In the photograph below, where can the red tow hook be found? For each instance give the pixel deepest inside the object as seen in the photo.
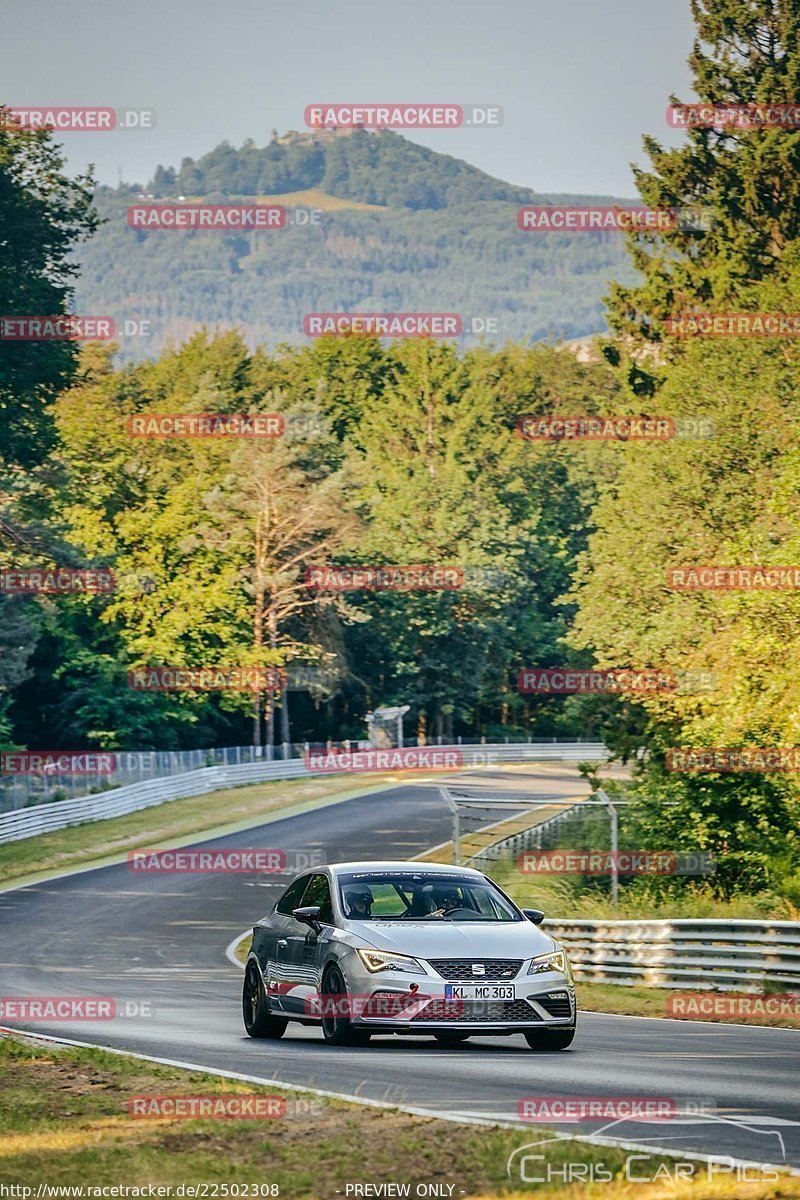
(413, 988)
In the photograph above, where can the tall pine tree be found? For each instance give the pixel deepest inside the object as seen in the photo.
(746, 180)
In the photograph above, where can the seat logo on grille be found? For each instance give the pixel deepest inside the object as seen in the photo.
(478, 969)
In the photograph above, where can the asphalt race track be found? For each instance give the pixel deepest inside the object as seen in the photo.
(159, 940)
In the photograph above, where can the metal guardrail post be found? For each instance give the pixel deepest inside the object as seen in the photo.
(451, 804)
(612, 812)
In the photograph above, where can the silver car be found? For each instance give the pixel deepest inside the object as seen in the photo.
(406, 947)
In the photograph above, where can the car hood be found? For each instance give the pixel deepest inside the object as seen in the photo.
(455, 939)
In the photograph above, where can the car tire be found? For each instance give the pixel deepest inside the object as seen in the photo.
(258, 1020)
(550, 1039)
(451, 1038)
(339, 1030)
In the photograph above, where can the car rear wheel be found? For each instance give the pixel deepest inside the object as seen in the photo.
(451, 1038)
(337, 1028)
(258, 1020)
(550, 1039)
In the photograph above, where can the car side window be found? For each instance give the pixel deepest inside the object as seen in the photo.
(291, 897)
(319, 892)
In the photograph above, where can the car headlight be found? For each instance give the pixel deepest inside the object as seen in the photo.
(557, 961)
(384, 960)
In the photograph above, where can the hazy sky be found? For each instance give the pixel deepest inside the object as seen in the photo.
(578, 80)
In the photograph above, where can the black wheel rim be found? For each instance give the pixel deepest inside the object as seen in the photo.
(251, 997)
(333, 988)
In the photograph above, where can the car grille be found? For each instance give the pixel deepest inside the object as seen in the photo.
(555, 1003)
(461, 968)
(476, 1011)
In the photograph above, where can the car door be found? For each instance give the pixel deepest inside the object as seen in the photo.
(272, 946)
(301, 961)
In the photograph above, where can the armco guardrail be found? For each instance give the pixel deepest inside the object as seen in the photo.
(103, 770)
(45, 818)
(22, 789)
(702, 954)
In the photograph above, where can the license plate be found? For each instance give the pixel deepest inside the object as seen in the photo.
(480, 991)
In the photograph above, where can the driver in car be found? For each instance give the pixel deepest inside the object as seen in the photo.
(445, 899)
(359, 900)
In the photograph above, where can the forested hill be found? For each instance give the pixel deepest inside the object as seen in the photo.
(400, 227)
(372, 168)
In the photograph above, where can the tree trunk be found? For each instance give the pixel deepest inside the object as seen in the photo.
(273, 641)
(286, 733)
(257, 720)
(270, 729)
(258, 632)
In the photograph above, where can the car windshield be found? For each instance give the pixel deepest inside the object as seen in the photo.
(421, 896)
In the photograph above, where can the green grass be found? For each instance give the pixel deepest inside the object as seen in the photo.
(562, 897)
(65, 1117)
(637, 1001)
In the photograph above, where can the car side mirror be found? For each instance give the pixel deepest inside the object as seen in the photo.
(534, 914)
(308, 916)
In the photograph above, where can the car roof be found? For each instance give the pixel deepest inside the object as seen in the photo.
(421, 868)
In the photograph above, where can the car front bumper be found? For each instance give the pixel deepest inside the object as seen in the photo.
(394, 1001)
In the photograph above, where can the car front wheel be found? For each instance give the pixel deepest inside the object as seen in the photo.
(337, 1028)
(258, 1020)
(550, 1039)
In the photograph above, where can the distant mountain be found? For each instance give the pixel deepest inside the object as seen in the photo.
(400, 228)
